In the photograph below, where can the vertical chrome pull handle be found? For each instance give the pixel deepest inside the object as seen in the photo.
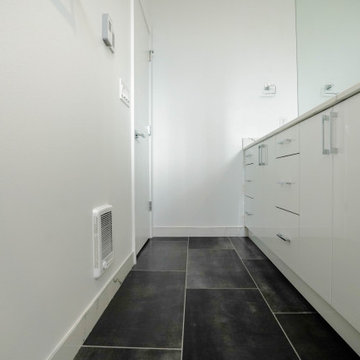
(333, 117)
(260, 154)
(325, 150)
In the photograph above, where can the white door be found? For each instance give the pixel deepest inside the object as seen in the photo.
(142, 149)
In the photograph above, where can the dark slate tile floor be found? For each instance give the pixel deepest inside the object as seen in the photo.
(213, 299)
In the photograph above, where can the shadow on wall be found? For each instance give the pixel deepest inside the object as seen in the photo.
(216, 199)
(66, 9)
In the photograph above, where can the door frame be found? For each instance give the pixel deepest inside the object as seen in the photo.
(132, 126)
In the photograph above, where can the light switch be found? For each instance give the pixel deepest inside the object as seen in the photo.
(124, 93)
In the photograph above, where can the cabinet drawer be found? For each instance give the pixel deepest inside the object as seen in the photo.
(250, 180)
(287, 183)
(286, 237)
(251, 156)
(287, 142)
(249, 213)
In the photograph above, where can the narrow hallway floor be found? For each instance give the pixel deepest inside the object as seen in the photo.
(209, 299)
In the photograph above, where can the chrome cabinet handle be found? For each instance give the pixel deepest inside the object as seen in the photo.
(260, 154)
(262, 162)
(286, 183)
(285, 141)
(325, 151)
(139, 134)
(333, 117)
(248, 181)
(248, 214)
(283, 238)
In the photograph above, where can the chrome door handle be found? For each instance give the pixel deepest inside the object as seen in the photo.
(248, 214)
(139, 134)
(325, 151)
(283, 238)
(285, 142)
(248, 181)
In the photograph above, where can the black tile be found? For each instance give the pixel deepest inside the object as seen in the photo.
(247, 249)
(232, 325)
(147, 311)
(216, 269)
(314, 339)
(87, 353)
(214, 243)
(163, 255)
(278, 291)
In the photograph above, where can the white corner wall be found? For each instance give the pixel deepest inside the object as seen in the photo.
(211, 61)
(64, 149)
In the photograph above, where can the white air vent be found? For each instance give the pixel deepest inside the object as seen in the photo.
(102, 237)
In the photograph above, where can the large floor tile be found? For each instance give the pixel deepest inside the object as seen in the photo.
(314, 339)
(87, 353)
(161, 254)
(232, 325)
(216, 269)
(147, 311)
(247, 249)
(214, 243)
(279, 293)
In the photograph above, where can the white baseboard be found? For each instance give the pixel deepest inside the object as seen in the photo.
(336, 321)
(199, 231)
(75, 337)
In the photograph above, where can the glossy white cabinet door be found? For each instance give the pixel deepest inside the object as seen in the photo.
(315, 242)
(346, 234)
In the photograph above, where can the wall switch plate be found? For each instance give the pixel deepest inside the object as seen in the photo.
(269, 89)
(124, 93)
(108, 34)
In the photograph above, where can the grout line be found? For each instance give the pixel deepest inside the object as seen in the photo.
(253, 288)
(295, 312)
(129, 347)
(184, 309)
(143, 270)
(276, 319)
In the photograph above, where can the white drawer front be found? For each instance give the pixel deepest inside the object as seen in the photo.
(250, 180)
(287, 183)
(250, 213)
(287, 142)
(286, 237)
(251, 156)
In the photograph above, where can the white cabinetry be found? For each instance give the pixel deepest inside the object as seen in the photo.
(346, 212)
(259, 217)
(316, 204)
(305, 193)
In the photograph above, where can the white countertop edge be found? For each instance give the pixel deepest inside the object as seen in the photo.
(354, 90)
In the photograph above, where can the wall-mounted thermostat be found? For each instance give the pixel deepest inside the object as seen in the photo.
(108, 32)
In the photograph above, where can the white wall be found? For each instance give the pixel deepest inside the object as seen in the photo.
(64, 149)
(212, 59)
(328, 48)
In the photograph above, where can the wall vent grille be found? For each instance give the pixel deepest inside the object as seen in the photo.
(102, 238)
